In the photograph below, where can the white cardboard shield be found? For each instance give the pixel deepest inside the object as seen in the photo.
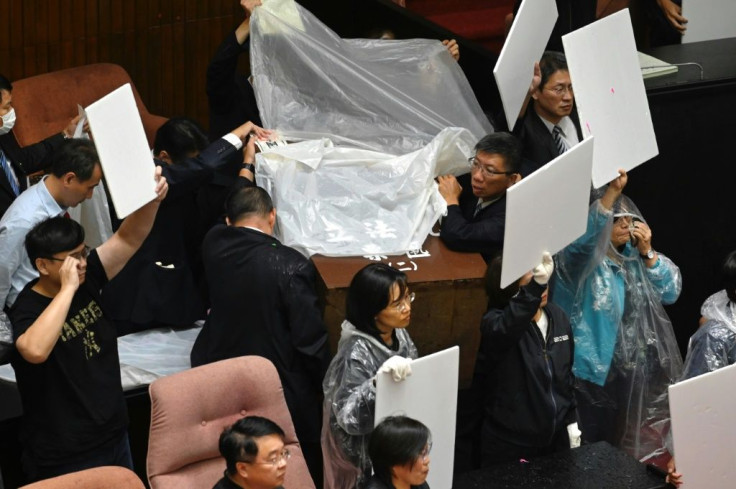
(709, 19)
(547, 210)
(524, 45)
(610, 96)
(703, 411)
(123, 149)
(429, 395)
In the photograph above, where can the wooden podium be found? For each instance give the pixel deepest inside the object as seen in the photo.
(450, 298)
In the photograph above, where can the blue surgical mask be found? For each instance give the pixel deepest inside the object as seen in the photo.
(8, 122)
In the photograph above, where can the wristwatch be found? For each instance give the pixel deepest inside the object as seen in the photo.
(648, 255)
(250, 167)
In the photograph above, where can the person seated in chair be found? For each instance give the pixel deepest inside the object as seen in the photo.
(255, 455)
(476, 201)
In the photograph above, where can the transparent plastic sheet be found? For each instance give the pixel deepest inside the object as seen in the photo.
(347, 201)
(713, 345)
(625, 347)
(146, 356)
(350, 398)
(385, 95)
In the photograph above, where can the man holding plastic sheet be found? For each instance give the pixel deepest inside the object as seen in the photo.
(67, 366)
(264, 302)
(476, 202)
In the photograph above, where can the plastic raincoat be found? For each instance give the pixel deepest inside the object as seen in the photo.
(350, 398)
(713, 345)
(624, 340)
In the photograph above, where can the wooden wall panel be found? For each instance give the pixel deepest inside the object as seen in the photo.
(165, 45)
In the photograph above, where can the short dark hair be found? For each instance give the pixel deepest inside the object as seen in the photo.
(5, 84)
(238, 442)
(78, 156)
(504, 144)
(51, 236)
(247, 200)
(179, 137)
(397, 440)
(728, 275)
(370, 293)
(498, 298)
(551, 63)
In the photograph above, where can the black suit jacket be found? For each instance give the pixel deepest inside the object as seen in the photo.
(538, 145)
(146, 295)
(264, 303)
(24, 161)
(483, 233)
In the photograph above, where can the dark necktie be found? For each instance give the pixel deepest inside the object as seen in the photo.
(559, 143)
(9, 174)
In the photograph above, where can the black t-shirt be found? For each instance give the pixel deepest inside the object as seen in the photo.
(73, 402)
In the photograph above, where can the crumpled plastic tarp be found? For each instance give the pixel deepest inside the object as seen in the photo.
(350, 401)
(146, 356)
(347, 201)
(713, 345)
(625, 347)
(385, 95)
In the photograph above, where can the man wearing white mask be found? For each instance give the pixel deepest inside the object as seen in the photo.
(15, 162)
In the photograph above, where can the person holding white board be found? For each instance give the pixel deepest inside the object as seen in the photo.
(524, 370)
(373, 340)
(613, 285)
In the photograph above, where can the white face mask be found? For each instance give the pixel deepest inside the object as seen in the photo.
(8, 122)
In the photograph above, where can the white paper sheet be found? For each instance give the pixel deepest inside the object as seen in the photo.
(547, 210)
(524, 45)
(430, 396)
(123, 149)
(703, 411)
(610, 96)
(709, 19)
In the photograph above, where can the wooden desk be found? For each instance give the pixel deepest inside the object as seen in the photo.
(446, 312)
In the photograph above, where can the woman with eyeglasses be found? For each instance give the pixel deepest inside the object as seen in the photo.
(399, 450)
(374, 340)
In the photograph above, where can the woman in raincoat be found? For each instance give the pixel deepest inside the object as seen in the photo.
(613, 285)
(373, 340)
(713, 345)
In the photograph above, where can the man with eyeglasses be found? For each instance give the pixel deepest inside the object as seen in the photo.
(75, 172)
(476, 202)
(548, 126)
(67, 367)
(264, 302)
(255, 456)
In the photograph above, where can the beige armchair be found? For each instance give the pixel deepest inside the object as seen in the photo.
(190, 409)
(97, 478)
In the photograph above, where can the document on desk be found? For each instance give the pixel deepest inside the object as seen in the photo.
(429, 395)
(547, 210)
(610, 95)
(524, 45)
(123, 149)
(703, 412)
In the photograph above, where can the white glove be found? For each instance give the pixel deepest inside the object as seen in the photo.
(574, 434)
(398, 366)
(543, 271)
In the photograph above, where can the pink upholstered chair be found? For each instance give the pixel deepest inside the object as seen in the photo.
(45, 103)
(97, 478)
(190, 409)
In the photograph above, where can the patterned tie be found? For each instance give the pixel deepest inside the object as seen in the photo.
(9, 174)
(559, 143)
(478, 208)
